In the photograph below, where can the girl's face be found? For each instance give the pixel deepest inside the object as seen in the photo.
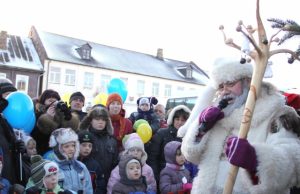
(69, 149)
(178, 122)
(98, 123)
(133, 170)
(180, 159)
(114, 108)
(85, 149)
(31, 148)
(50, 181)
(136, 152)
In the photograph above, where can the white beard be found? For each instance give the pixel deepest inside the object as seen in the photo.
(237, 103)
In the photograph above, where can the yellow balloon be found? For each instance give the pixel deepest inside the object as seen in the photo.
(66, 98)
(145, 132)
(101, 98)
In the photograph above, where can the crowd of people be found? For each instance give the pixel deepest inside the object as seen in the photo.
(190, 151)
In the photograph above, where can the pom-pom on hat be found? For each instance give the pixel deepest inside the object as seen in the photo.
(113, 97)
(48, 94)
(41, 168)
(77, 95)
(229, 70)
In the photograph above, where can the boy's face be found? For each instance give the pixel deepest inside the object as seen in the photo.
(144, 107)
(115, 108)
(31, 148)
(133, 170)
(98, 123)
(77, 104)
(69, 149)
(50, 181)
(180, 159)
(136, 152)
(85, 149)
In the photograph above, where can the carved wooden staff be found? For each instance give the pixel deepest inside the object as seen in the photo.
(260, 56)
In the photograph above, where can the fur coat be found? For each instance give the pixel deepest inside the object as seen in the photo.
(275, 141)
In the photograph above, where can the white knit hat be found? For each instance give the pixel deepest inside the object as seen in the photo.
(133, 140)
(229, 70)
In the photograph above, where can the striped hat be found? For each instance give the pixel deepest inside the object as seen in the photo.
(41, 168)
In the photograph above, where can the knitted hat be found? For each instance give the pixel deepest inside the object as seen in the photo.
(293, 100)
(6, 86)
(41, 168)
(85, 136)
(144, 101)
(113, 97)
(229, 70)
(132, 140)
(48, 94)
(77, 95)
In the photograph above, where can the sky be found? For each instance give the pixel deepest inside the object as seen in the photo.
(186, 30)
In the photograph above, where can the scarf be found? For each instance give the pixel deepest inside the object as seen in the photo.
(121, 131)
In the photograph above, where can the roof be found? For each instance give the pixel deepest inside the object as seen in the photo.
(20, 53)
(62, 48)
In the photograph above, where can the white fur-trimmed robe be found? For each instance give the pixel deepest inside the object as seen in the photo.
(278, 154)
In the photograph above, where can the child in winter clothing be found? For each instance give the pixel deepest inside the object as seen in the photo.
(145, 111)
(86, 140)
(131, 180)
(121, 125)
(105, 150)
(73, 174)
(134, 146)
(174, 178)
(4, 183)
(44, 177)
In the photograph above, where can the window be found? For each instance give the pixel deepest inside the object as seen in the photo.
(2, 75)
(86, 53)
(140, 87)
(168, 89)
(125, 80)
(88, 80)
(22, 83)
(104, 80)
(155, 89)
(54, 75)
(70, 77)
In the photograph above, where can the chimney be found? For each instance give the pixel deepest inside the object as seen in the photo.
(3, 40)
(159, 54)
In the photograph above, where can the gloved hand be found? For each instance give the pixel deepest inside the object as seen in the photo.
(240, 153)
(33, 190)
(210, 116)
(3, 104)
(20, 146)
(65, 192)
(187, 186)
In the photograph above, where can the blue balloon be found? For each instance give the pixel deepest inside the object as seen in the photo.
(19, 110)
(29, 125)
(116, 85)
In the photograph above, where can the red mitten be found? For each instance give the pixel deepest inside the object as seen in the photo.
(187, 186)
(210, 116)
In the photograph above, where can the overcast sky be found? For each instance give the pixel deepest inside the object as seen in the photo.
(186, 30)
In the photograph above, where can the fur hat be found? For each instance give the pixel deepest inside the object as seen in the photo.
(77, 95)
(62, 136)
(229, 70)
(114, 97)
(6, 86)
(41, 168)
(173, 112)
(85, 136)
(133, 140)
(48, 94)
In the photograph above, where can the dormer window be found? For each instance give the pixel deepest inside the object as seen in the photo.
(85, 51)
(186, 71)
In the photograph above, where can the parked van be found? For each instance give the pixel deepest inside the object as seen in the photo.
(187, 101)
